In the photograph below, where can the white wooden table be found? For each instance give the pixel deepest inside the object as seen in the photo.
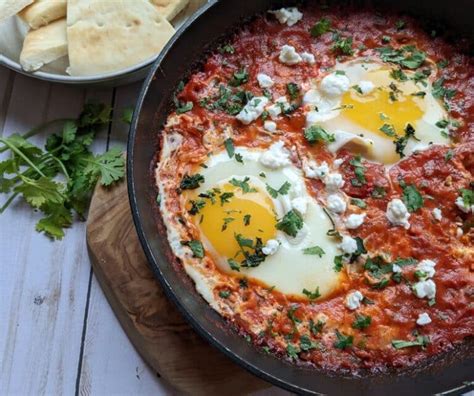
(58, 334)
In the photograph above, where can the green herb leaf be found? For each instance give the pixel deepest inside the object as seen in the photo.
(191, 182)
(306, 344)
(315, 250)
(412, 198)
(229, 146)
(292, 351)
(316, 328)
(247, 219)
(196, 247)
(343, 46)
(283, 190)
(467, 197)
(320, 27)
(361, 322)
(224, 293)
(184, 107)
(343, 341)
(239, 77)
(389, 130)
(422, 341)
(338, 263)
(293, 90)
(359, 171)
(312, 295)
(316, 133)
(358, 202)
(291, 223)
(243, 185)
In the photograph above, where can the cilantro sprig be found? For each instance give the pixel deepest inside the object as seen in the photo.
(59, 179)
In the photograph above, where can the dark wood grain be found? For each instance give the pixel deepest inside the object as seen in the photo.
(152, 323)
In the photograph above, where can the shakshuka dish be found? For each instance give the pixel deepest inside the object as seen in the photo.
(315, 181)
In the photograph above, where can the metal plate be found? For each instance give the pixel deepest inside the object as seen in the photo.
(177, 60)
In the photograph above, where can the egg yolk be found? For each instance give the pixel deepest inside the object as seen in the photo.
(391, 102)
(250, 214)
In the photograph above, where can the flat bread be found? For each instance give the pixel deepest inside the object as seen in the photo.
(42, 12)
(44, 45)
(9, 8)
(107, 36)
(169, 8)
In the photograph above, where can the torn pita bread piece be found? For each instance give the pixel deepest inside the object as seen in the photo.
(42, 12)
(9, 8)
(107, 36)
(44, 45)
(170, 8)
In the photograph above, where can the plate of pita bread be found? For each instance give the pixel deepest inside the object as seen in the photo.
(88, 41)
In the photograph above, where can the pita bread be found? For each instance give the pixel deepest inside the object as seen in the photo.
(9, 8)
(106, 36)
(169, 8)
(42, 12)
(44, 45)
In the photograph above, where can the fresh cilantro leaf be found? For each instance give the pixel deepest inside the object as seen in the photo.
(196, 206)
(292, 351)
(291, 223)
(441, 92)
(196, 248)
(316, 328)
(283, 190)
(343, 46)
(227, 220)
(378, 192)
(110, 166)
(422, 341)
(41, 191)
(442, 123)
(467, 197)
(234, 265)
(402, 142)
(229, 146)
(127, 115)
(359, 171)
(408, 56)
(412, 198)
(224, 293)
(314, 250)
(247, 219)
(239, 158)
(338, 263)
(343, 341)
(312, 295)
(226, 49)
(293, 90)
(399, 75)
(361, 322)
(184, 107)
(316, 133)
(320, 27)
(306, 344)
(243, 185)
(225, 197)
(191, 182)
(239, 77)
(358, 202)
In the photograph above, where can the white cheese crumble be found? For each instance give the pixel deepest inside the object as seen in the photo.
(289, 56)
(270, 126)
(314, 171)
(338, 162)
(300, 204)
(353, 300)
(333, 182)
(427, 268)
(459, 232)
(308, 58)
(336, 203)
(348, 245)
(423, 319)
(288, 16)
(366, 87)
(252, 110)
(311, 97)
(281, 104)
(396, 269)
(354, 221)
(462, 205)
(426, 288)
(335, 84)
(397, 213)
(437, 214)
(271, 247)
(276, 156)
(264, 80)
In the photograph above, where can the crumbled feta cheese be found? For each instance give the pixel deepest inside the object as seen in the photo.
(366, 87)
(348, 245)
(314, 171)
(338, 162)
(425, 288)
(290, 15)
(437, 214)
(423, 319)
(308, 58)
(270, 126)
(354, 221)
(311, 97)
(276, 156)
(271, 247)
(281, 104)
(353, 300)
(397, 213)
(336, 203)
(396, 269)
(333, 181)
(252, 110)
(462, 206)
(426, 267)
(335, 84)
(264, 81)
(289, 56)
(459, 232)
(300, 205)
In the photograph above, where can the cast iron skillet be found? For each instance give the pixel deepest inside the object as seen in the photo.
(176, 61)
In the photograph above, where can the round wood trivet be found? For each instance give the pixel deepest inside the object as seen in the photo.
(153, 324)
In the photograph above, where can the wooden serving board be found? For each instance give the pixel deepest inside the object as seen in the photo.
(153, 324)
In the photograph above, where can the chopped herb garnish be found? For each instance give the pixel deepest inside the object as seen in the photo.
(184, 107)
(225, 197)
(400, 24)
(283, 190)
(316, 133)
(357, 89)
(382, 284)
(442, 64)
(229, 146)
(343, 341)
(442, 124)
(402, 142)
(247, 219)
(226, 49)
(420, 94)
(361, 322)
(314, 250)
(358, 202)
(467, 197)
(338, 263)
(412, 198)
(440, 92)
(422, 341)
(196, 206)
(239, 158)
(291, 314)
(408, 56)
(320, 27)
(312, 295)
(399, 75)
(359, 171)
(234, 265)
(253, 259)
(306, 344)
(389, 130)
(449, 155)
(191, 182)
(378, 192)
(227, 220)
(291, 223)
(293, 90)
(239, 77)
(343, 46)
(316, 328)
(292, 351)
(196, 247)
(243, 185)
(224, 293)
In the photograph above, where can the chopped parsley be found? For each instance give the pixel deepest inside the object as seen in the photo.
(226, 49)
(224, 293)
(467, 197)
(442, 123)
(196, 247)
(251, 252)
(320, 27)
(292, 351)
(184, 107)
(227, 221)
(239, 77)
(234, 265)
(317, 327)
(314, 250)
(283, 190)
(291, 314)
(196, 206)
(359, 202)
(247, 219)
(293, 90)
(359, 171)
(191, 182)
(400, 24)
(402, 142)
(291, 223)
(338, 263)
(229, 146)
(407, 56)
(316, 133)
(399, 75)
(306, 344)
(312, 295)
(422, 341)
(412, 197)
(441, 92)
(243, 185)
(343, 45)
(449, 155)
(389, 130)
(378, 192)
(225, 197)
(343, 341)
(361, 322)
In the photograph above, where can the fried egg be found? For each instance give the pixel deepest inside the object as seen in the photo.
(240, 202)
(365, 107)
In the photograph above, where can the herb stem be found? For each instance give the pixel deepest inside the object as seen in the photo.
(23, 156)
(9, 201)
